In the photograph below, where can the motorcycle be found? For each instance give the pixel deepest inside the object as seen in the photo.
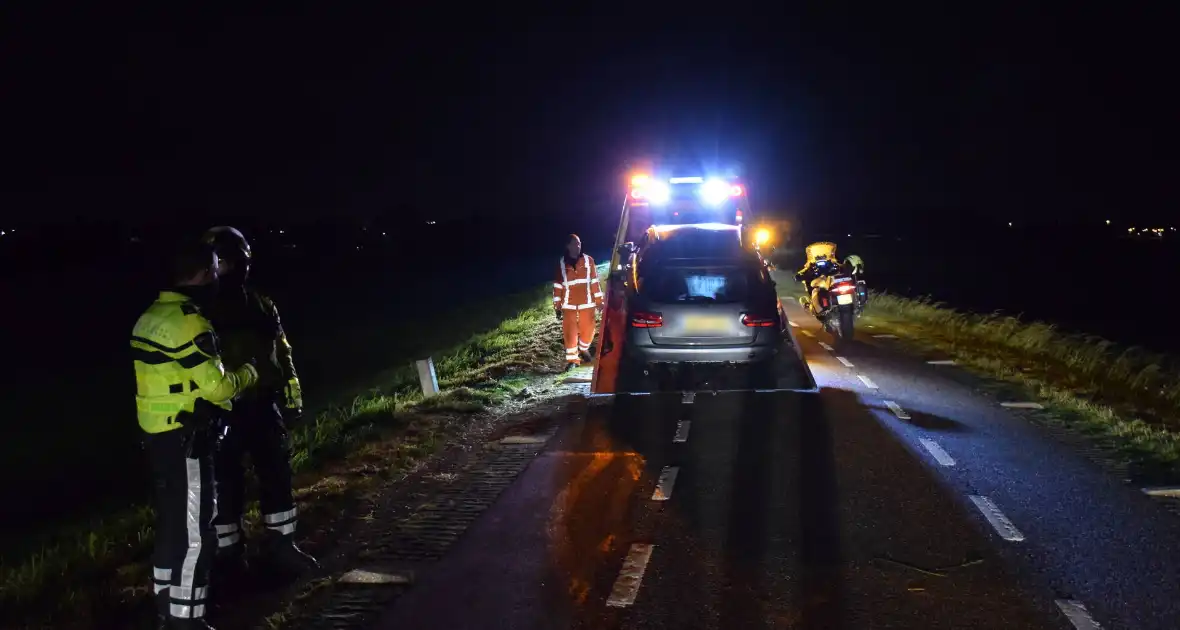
(838, 301)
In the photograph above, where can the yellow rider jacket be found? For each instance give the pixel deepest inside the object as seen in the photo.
(823, 249)
(176, 360)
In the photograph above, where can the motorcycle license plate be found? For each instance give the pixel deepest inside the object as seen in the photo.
(844, 298)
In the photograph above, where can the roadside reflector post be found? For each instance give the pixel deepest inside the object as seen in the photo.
(427, 377)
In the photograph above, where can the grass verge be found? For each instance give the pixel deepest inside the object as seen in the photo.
(1126, 394)
(78, 571)
(1126, 397)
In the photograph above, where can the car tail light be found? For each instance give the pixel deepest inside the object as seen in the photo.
(738, 218)
(641, 319)
(759, 321)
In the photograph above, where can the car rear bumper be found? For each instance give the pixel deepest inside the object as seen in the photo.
(651, 353)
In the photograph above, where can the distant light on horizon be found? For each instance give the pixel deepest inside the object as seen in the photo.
(1108, 221)
(1009, 224)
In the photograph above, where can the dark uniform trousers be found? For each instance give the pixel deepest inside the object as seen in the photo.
(255, 428)
(186, 504)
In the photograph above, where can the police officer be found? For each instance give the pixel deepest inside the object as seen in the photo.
(182, 388)
(249, 325)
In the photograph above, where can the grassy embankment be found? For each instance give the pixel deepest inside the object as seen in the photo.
(77, 572)
(1127, 397)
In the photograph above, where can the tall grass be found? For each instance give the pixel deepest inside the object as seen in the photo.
(73, 564)
(1086, 363)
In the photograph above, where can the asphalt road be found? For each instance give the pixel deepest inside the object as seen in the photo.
(892, 497)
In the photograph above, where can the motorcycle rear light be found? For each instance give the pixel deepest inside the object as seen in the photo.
(646, 320)
(759, 321)
(843, 288)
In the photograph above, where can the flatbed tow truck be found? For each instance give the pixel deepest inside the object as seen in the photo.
(649, 202)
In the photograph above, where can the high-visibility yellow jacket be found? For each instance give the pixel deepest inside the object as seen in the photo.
(575, 287)
(176, 358)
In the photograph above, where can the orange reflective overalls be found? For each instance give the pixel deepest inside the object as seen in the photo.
(576, 293)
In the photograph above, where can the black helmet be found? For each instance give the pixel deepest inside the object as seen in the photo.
(229, 243)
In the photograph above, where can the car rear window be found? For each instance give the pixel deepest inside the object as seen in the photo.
(700, 284)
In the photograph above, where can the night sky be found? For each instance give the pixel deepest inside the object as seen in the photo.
(862, 114)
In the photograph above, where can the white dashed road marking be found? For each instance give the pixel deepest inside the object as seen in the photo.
(364, 576)
(940, 455)
(942, 362)
(682, 428)
(808, 333)
(846, 362)
(897, 410)
(688, 397)
(867, 381)
(1022, 405)
(626, 586)
(524, 439)
(884, 336)
(1163, 491)
(663, 490)
(992, 513)
(825, 346)
(793, 324)
(1077, 614)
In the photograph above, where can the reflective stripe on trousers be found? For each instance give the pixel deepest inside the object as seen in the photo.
(188, 601)
(281, 522)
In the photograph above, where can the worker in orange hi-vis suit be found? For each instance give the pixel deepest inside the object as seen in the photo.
(577, 295)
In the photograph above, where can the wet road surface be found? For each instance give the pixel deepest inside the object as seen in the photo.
(892, 497)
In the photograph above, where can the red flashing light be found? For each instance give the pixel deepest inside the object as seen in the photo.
(646, 320)
(736, 191)
(758, 321)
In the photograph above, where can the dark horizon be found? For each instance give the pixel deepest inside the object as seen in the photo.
(843, 116)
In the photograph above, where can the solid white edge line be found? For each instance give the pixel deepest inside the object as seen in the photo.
(940, 455)
(682, 428)
(1077, 614)
(825, 346)
(996, 518)
(942, 362)
(688, 397)
(808, 333)
(897, 410)
(665, 484)
(1022, 405)
(793, 324)
(867, 381)
(626, 586)
(846, 362)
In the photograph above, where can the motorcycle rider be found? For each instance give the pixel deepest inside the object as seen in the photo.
(250, 329)
(822, 262)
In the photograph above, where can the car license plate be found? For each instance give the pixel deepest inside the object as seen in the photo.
(844, 298)
(703, 324)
